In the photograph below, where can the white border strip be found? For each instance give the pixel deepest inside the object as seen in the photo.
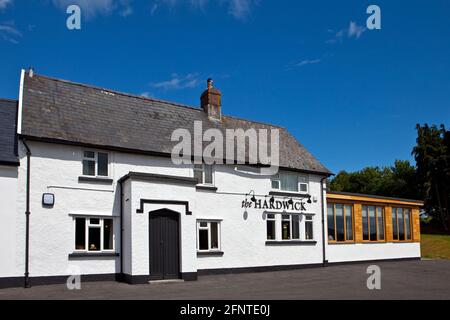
(19, 111)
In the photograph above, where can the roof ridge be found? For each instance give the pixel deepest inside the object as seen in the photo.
(8, 100)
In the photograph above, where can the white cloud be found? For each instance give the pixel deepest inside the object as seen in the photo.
(240, 9)
(177, 82)
(146, 94)
(306, 62)
(89, 8)
(4, 3)
(9, 32)
(353, 31)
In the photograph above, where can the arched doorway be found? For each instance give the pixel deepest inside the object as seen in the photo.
(164, 244)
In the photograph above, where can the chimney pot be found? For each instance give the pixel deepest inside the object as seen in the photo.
(211, 101)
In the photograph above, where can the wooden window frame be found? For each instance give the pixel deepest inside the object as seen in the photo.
(404, 224)
(344, 204)
(383, 213)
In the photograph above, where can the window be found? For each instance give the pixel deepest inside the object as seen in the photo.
(290, 227)
(290, 182)
(309, 235)
(340, 222)
(94, 234)
(95, 164)
(271, 227)
(401, 224)
(373, 226)
(203, 173)
(208, 235)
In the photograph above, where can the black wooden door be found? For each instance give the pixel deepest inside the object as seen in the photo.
(164, 245)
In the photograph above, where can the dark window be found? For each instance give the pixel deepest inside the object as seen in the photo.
(94, 239)
(80, 234)
(102, 164)
(203, 173)
(214, 235)
(373, 226)
(286, 227)
(380, 224)
(295, 227)
(340, 222)
(348, 223)
(89, 167)
(95, 163)
(330, 220)
(309, 235)
(208, 234)
(365, 218)
(108, 234)
(401, 224)
(203, 239)
(270, 227)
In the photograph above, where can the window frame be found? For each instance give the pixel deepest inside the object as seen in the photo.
(274, 220)
(309, 218)
(299, 177)
(95, 159)
(383, 214)
(344, 204)
(291, 224)
(404, 224)
(203, 171)
(101, 226)
(208, 227)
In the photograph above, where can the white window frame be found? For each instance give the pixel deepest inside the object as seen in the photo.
(95, 159)
(290, 226)
(88, 225)
(301, 180)
(274, 219)
(203, 174)
(208, 227)
(311, 217)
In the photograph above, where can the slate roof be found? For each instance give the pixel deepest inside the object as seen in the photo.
(61, 110)
(8, 129)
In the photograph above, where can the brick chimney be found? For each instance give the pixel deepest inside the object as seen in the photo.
(211, 101)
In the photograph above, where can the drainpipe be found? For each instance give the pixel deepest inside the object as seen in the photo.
(121, 231)
(27, 216)
(324, 261)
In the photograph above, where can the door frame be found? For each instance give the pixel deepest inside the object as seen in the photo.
(178, 217)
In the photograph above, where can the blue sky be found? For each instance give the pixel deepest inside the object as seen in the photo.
(351, 95)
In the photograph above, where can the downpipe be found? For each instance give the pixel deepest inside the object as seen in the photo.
(27, 217)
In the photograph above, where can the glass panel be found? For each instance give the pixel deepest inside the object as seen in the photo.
(408, 224)
(94, 221)
(401, 230)
(270, 216)
(380, 223)
(94, 239)
(204, 224)
(309, 230)
(372, 224)
(289, 182)
(295, 227)
(208, 174)
(270, 230)
(340, 222)
(394, 224)
(89, 154)
(203, 239)
(80, 234)
(303, 187)
(330, 218)
(286, 228)
(102, 164)
(349, 222)
(198, 175)
(214, 235)
(108, 234)
(365, 218)
(88, 168)
(275, 184)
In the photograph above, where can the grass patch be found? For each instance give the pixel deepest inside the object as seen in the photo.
(435, 246)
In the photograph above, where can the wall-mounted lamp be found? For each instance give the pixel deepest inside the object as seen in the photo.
(48, 199)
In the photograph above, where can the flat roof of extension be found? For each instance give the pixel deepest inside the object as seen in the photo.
(372, 198)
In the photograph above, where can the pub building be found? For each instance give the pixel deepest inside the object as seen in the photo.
(89, 187)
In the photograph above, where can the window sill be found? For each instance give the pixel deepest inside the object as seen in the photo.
(288, 194)
(291, 243)
(210, 253)
(93, 254)
(205, 187)
(105, 180)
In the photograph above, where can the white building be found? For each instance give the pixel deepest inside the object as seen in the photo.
(106, 200)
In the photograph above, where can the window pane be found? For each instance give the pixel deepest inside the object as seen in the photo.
(94, 221)
(286, 230)
(198, 175)
(203, 224)
(340, 222)
(275, 184)
(303, 187)
(372, 224)
(94, 239)
(270, 230)
(270, 216)
(108, 234)
(394, 224)
(365, 217)
(89, 154)
(80, 234)
(208, 174)
(349, 222)
(289, 182)
(102, 164)
(88, 168)
(380, 223)
(309, 230)
(203, 239)
(401, 230)
(330, 218)
(214, 235)
(295, 227)
(408, 224)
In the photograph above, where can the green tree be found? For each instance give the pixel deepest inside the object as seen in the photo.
(432, 154)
